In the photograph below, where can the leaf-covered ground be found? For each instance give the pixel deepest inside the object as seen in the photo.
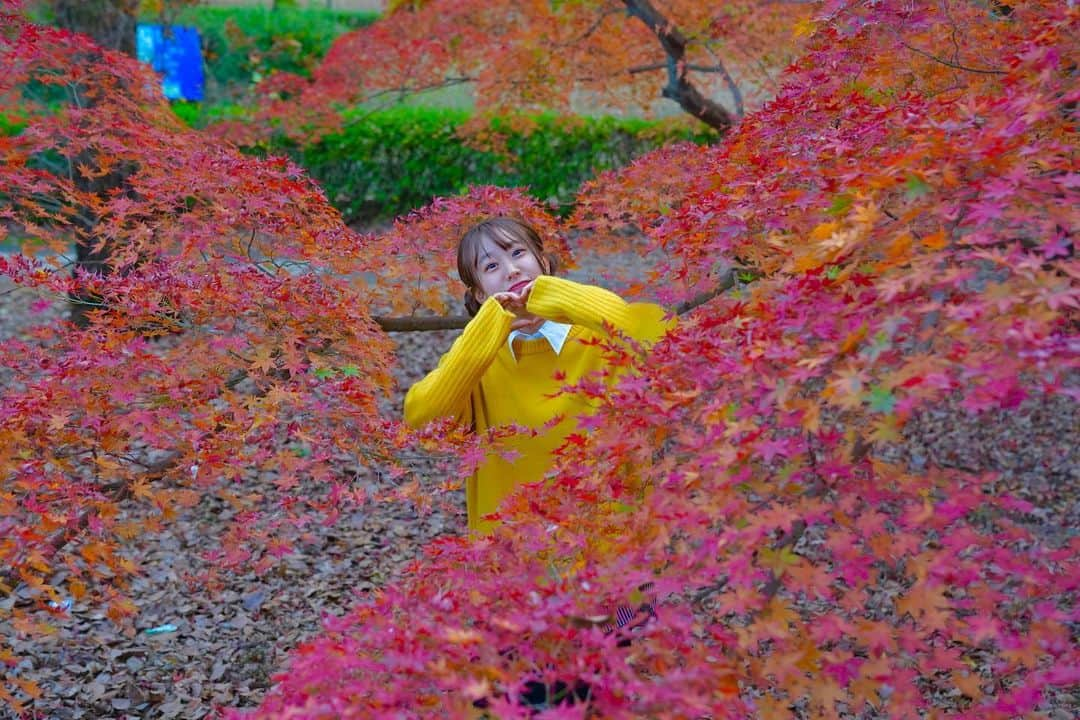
(229, 638)
(219, 645)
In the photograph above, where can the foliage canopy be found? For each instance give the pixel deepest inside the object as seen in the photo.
(518, 59)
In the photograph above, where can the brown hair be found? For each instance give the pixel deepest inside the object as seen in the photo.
(503, 231)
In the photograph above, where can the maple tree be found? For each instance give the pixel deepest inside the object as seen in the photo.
(908, 200)
(208, 354)
(713, 61)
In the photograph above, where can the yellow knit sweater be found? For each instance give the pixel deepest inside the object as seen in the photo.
(479, 383)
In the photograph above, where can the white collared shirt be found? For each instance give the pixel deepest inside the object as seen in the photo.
(555, 333)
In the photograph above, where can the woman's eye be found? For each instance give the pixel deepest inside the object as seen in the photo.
(489, 267)
(518, 251)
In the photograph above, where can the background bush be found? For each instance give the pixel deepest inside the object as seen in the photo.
(243, 44)
(11, 124)
(389, 162)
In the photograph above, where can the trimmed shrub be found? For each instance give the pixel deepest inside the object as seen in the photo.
(389, 162)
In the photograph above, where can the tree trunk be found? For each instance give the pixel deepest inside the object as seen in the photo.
(111, 23)
(679, 88)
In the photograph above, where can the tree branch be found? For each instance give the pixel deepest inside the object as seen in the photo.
(638, 69)
(412, 91)
(414, 323)
(733, 87)
(955, 63)
(679, 88)
(590, 30)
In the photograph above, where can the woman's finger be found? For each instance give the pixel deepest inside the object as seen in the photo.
(506, 299)
(522, 322)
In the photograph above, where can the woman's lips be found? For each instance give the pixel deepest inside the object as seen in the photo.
(517, 287)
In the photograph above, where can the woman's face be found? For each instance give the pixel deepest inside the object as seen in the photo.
(505, 269)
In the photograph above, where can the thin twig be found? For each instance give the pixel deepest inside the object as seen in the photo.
(590, 30)
(957, 66)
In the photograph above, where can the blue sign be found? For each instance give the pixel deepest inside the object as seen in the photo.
(176, 54)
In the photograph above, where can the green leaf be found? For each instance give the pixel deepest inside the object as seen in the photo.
(840, 204)
(324, 373)
(915, 187)
(882, 400)
(350, 370)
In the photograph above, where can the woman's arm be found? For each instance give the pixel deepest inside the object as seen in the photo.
(562, 300)
(444, 392)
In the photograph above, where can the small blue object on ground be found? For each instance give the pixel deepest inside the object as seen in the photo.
(160, 629)
(175, 52)
(254, 601)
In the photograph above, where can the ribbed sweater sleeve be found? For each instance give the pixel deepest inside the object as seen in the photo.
(445, 391)
(562, 300)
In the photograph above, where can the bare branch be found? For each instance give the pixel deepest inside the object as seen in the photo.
(637, 69)
(589, 30)
(404, 90)
(957, 66)
(732, 86)
(413, 323)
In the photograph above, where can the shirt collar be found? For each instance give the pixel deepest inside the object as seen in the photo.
(555, 333)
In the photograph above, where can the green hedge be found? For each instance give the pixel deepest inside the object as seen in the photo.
(242, 44)
(390, 162)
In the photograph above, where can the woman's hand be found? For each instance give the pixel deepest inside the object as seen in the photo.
(516, 302)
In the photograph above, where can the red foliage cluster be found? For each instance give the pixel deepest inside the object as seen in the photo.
(911, 197)
(514, 59)
(226, 337)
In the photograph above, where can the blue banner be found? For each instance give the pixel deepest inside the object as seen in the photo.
(176, 53)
